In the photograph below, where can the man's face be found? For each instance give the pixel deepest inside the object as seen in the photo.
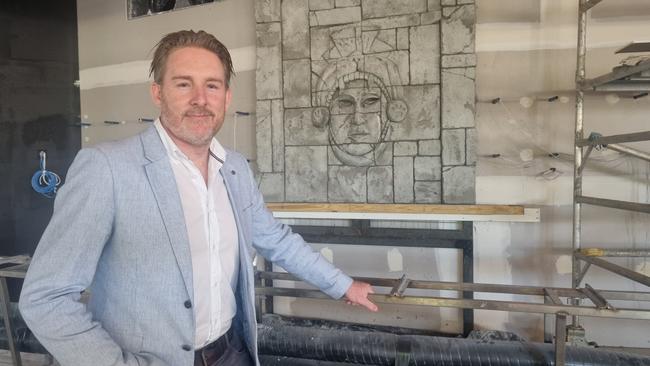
(193, 96)
(355, 115)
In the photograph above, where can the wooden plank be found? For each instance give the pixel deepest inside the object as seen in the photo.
(398, 208)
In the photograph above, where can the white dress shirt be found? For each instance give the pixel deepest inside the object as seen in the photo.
(212, 233)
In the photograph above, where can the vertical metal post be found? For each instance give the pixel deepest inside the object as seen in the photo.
(268, 300)
(579, 134)
(4, 303)
(468, 274)
(560, 338)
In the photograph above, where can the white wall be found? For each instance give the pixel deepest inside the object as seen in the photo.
(524, 54)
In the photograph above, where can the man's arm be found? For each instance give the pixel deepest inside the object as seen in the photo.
(64, 265)
(276, 242)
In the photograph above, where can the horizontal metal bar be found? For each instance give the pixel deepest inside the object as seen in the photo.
(521, 307)
(614, 139)
(17, 271)
(478, 287)
(621, 205)
(626, 253)
(622, 271)
(623, 86)
(615, 75)
(16, 259)
(629, 151)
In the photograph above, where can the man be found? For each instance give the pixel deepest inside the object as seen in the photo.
(161, 229)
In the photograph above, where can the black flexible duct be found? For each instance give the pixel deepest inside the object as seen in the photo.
(376, 348)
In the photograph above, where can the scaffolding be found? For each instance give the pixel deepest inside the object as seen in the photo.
(634, 78)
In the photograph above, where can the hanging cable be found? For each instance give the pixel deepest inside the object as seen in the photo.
(43, 181)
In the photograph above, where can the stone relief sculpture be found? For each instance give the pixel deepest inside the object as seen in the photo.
(368, 101)
(357, 99)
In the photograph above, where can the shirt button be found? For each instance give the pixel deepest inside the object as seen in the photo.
(188, 304)
(186, 347)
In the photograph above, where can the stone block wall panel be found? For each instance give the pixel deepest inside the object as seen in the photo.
(267, 11)
(295, 19)
(268, 81)
(306, 173)
(366, 100)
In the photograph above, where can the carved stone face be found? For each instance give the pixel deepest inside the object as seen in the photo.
(356, 124)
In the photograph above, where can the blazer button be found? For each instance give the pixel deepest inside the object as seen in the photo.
(186, 347)
(188, 304)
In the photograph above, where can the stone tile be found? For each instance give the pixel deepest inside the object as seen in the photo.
(263, 136)
(458, 27)
(347, 3)
(459, 184)
(268, 80)
(430, 17)
(405, 148)
(462, 2)
(391, 22)
(347, 184)
(336, 16)
(402, 38)
(427, 192)
(267, 11)
(384, 156)
(299, 129)
(458, 99)
(397, 60)
(429, 147)
(324, 48)
(378, 41)
(295, 23)
(380, 184)
(471, 146)
(385, 8)
(425, 54)
(427, 168)
(306, 173)
(460, 60)
(277, 134)
(272, 187)
(331, 157)
(448, 2)
(317, 70)
(403, 179)
(321, 4)
(297, 83)
(422, 121)
(453, 146)
(433, 5)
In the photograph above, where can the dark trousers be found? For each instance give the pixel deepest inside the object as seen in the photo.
(229, 350)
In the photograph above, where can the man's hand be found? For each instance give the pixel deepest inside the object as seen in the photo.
(357, 294)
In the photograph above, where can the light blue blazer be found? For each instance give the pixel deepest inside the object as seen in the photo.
(118, 230)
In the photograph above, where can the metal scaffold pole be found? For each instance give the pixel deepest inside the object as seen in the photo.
(579, 135)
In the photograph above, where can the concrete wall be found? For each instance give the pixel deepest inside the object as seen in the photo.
(519, 54)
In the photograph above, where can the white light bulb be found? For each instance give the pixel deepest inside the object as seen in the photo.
(526, 155)
(612, 98)
(526, 102)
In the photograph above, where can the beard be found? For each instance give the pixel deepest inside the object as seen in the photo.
(195, 126)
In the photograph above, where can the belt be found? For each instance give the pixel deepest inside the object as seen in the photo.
(213, 351)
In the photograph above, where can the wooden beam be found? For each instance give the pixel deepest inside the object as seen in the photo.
(398, 208)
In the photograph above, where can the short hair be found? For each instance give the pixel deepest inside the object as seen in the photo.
(188, 38)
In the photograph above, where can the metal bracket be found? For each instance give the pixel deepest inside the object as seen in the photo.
(596, 298)
(399, 288)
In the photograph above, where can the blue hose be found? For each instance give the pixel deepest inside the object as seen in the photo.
(44, 181)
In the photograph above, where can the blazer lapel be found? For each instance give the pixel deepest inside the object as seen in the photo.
(163, 183)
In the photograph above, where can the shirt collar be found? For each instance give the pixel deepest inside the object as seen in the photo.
(217, 151)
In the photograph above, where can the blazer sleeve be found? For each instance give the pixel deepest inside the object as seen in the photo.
(64, 265)
(277, 243)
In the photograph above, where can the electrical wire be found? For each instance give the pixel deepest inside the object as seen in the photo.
(44, 181)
